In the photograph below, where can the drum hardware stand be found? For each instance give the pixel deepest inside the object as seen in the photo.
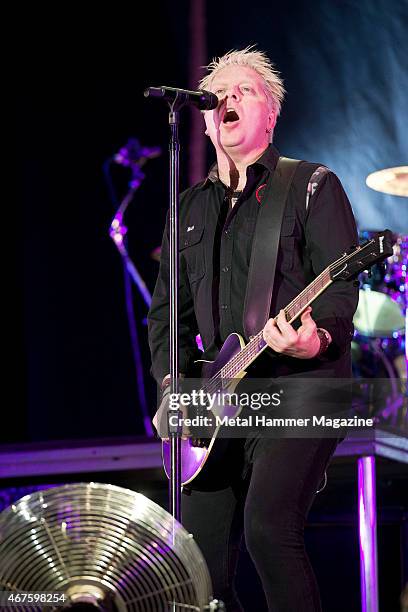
(133, 156)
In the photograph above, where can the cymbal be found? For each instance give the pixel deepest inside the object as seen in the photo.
(393, 181)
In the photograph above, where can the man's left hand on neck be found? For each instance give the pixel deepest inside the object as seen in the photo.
(303, 343)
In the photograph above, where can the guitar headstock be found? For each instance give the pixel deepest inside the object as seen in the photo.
(363, 257)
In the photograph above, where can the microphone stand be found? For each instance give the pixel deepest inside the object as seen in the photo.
(118, 233)
(176, 98)
(175, 431)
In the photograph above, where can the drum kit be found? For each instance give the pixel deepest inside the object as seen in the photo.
(379, 345)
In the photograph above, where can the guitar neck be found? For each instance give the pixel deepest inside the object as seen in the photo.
(257, 344)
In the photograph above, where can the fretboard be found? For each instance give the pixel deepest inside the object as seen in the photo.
(257, 344)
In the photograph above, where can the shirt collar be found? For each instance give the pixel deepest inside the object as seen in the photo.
(268, 161)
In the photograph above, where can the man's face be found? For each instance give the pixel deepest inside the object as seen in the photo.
(243, 120)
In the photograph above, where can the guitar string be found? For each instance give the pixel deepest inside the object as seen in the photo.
(240, 360)
(307, 292)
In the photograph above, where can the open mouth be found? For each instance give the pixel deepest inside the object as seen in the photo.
(230, 116)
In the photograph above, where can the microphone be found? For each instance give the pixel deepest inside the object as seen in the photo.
(203, 100)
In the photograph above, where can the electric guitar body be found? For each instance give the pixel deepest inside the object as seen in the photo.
(202, 458)
(210, 451)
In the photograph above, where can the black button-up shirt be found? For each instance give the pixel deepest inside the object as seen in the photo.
(215, 250)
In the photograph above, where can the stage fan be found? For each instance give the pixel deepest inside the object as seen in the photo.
(103, 548)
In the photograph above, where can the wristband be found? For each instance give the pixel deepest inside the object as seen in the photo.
(325, 340)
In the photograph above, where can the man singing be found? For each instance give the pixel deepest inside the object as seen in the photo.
(272, 482)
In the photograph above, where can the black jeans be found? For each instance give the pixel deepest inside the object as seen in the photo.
(268, 502)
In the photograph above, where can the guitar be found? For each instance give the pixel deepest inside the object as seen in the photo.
(235, 356)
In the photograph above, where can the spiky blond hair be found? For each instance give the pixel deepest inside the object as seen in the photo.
(258, 61)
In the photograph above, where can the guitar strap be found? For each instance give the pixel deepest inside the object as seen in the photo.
(264, 253)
